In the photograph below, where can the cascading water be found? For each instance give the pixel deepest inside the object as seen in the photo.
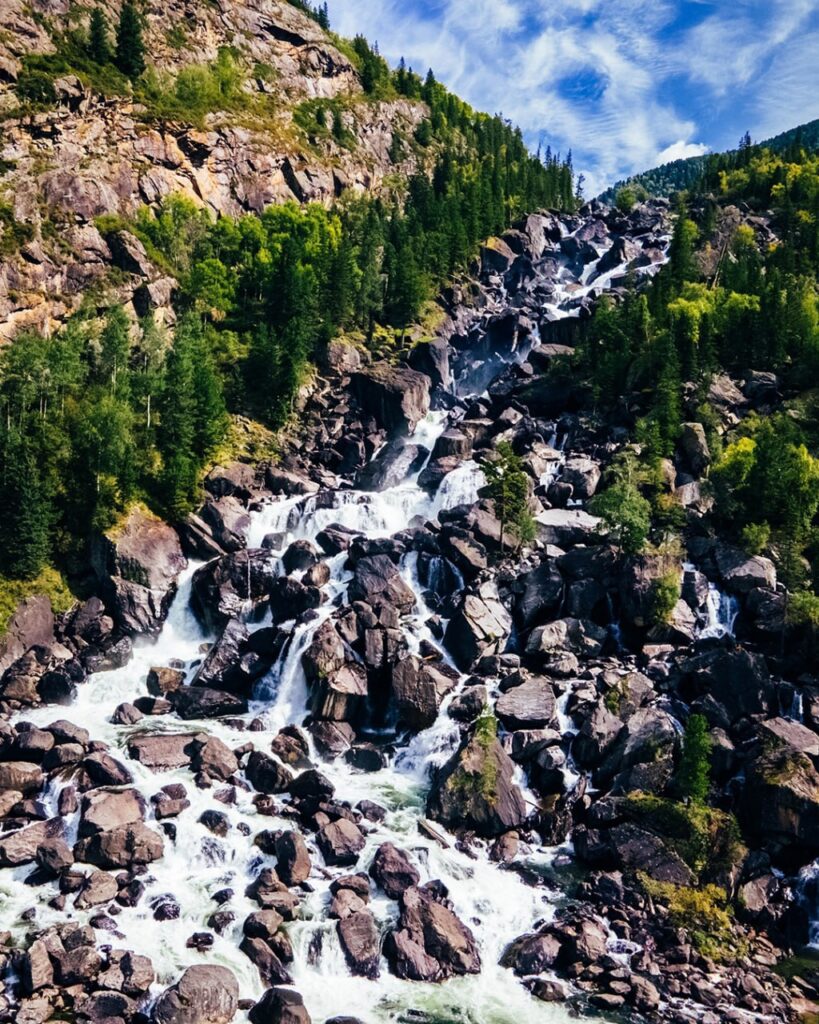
(497, 905)
(722, 610)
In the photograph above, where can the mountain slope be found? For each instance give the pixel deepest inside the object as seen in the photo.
(685, 174)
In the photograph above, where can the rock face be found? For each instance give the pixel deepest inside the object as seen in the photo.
(397, 398)
(429, 942)
(138, 565)
(475, 789)
(203, 995)
(480, 626)
(419, 688)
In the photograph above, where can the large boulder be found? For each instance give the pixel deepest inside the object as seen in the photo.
(419, 688)
(228, 522)
(337, 679)
(396, 397)
(580, 637)
(21, 847)
(583, 474)
(475, 789)
(105, 809)
(741, 573)
(694, 447)
(432, 359)
(224, 588)
(780, 802)
(393, 464)
(528, 705)
(205, 994)
(280, 1006)
(393, 871)
(124, 847)
(481, 625)
(540, 594)
(732, 684)
(31, 625)
(430, 943)
(361, 941)
(137, 564)
(378, 580)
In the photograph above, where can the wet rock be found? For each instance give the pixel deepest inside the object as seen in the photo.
(529, 705)
(475, 788)
(432, 359)
(393, 871)
(121, 847)
(20, 847)
(780, 802)
(430, 943)
(583, 474)
(280, 1006)
(340, 843)
(228, 521)
(292, 858)
(138, 565)
(162, 681)
(481, 625)
(214, 759)
(201, 702)
(339, 681)
(733, 684)
(378, 580)
(205, 994)
(236, 479)
(361, 943)
(396, 397)
(267, 775)
(596, 736)
(577, 636)
(164, 752)
(54, 855)
(223, 589)
(105, 809)
(649, 736)
(419, 688)
(20, 776)
(290, 599)
(393, 464)
(271, 969)
(741, 573)
(300, 556)
(36, 971)
(541, 595)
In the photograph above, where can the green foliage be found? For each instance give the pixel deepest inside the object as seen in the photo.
(13, 234)
(508, 486)
(756, 537)
(694, 772)
(99, 43)
(36, 87)
(803, 609)
(49, 583)
(626, 513)
(197, 90)
(708, 840)
(665, 593)
(628, 196)
(706, 914)
(130, 46)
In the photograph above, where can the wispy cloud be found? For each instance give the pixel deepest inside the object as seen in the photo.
(625, 84)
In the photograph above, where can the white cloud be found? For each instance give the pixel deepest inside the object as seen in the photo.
(650, 87)
(681, 150)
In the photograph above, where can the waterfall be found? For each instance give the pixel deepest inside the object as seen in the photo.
(722, 610)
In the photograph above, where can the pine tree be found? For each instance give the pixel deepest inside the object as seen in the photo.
(508, 487)
(694, 773)
(24, 509)
(130, 52)
(99, 44)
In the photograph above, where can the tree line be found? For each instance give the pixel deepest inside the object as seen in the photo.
(724, 302)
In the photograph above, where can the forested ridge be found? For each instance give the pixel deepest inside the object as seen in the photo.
(732, 301)
(102, 414)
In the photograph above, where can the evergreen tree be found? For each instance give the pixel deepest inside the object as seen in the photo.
(25, 510)
(130, 51)
(99, 44)
(508, 487)
(694, 773)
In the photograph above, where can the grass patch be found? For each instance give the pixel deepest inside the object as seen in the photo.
(483, 783)
(49, 582)
(13, 234)
(705, 838)
(705, 914)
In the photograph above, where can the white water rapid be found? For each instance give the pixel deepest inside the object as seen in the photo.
(498, 905)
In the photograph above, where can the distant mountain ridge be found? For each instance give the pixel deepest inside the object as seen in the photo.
(683, 174)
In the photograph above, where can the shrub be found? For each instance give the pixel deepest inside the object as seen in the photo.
(705, 914)
(756, 537)
(694, 772)
(665, 593)
(36, 87)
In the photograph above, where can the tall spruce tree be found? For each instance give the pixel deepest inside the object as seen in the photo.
(99, 43)
(24, 509)
(130, 53)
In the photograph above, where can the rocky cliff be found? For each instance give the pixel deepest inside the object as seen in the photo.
(91, 155)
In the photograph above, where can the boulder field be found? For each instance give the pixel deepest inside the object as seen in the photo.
(370, 721)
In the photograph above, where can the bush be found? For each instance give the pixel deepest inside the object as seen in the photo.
(756, 537)
(694, 772)
(665, 593)
(36, 87)
(705, 914)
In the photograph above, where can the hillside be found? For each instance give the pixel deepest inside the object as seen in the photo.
(681, 175)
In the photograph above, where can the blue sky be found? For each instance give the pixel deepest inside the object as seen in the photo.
(627, 84)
